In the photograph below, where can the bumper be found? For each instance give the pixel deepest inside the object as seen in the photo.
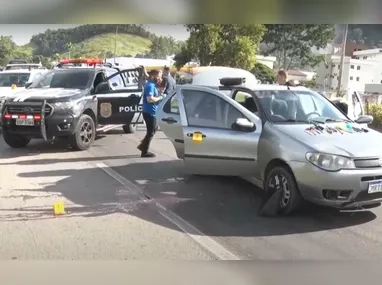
(345, 189)
(55, 126)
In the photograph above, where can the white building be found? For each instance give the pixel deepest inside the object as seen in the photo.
(266, 60)
(356, 73)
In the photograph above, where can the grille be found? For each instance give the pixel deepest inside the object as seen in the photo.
(367, 163)
(30, 109)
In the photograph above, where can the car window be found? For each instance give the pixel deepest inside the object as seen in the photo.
(8, 79)
(171, 106)
(357, 107)
(241, 96)
(204, 109)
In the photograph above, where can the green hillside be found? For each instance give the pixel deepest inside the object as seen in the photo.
(104, 45)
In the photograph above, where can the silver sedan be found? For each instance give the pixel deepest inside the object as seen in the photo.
(293, 142)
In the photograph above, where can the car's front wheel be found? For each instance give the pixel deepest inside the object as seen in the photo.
(15, 141)
(84, 135)
(280, 180)
(129, 129)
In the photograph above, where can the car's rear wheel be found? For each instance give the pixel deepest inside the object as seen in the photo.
(280, 178)
(129, 129)
(15, 141)
(84, 135)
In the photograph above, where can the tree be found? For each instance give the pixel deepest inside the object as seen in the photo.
(7, 47)
(264, 73)
(221, 44)
(291, 42)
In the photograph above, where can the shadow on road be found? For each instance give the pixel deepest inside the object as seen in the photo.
(36, 147)
(218, 206)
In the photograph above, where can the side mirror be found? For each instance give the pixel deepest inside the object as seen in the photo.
(243, 124)
(364, 119)
(28, 84)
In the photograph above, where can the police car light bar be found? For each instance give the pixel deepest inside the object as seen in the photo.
(88, 61)
(230, 81)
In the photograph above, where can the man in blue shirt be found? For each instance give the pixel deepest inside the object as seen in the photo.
(151, 99)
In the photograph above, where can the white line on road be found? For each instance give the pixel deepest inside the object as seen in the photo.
(205, 241)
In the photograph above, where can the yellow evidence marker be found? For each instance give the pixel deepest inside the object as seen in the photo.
(58, 208)
(197, 137)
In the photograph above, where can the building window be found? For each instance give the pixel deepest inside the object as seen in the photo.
(357, 79)
(352, 66)
(339, 66)
(358, 67)
(351, 77)
(333, 65)
(365, 57)
(338, 78)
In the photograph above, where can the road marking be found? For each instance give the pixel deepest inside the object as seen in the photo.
(203, 240)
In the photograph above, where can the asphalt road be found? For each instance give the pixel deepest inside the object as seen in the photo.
(122, 206)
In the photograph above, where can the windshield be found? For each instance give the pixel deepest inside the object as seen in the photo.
(298, 106)
(21, 66)
(8, 79)
(69, 79)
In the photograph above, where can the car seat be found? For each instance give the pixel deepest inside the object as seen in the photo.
(250, 104)
(279, 108)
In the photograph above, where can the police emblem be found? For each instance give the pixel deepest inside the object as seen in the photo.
(105, 110)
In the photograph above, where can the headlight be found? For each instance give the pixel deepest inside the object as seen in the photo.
(63, 105)
(68, 107)
(330, 162)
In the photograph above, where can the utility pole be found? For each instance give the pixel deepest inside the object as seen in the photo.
(342, 60)
(115, 43)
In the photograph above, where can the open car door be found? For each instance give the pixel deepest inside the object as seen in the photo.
(213, 134)
(120, 105)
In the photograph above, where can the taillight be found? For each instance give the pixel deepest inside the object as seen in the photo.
(37, 117)
(7, 116)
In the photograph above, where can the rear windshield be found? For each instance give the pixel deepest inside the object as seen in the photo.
(19, 79)
(68, 79)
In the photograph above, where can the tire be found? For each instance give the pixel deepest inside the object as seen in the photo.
(81, 140)
(287, 204)
(15, 141)
(129, 129)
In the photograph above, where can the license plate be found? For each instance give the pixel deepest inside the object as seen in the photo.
(375, 187)
(24, 122)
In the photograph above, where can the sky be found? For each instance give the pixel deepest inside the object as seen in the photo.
(22, 33)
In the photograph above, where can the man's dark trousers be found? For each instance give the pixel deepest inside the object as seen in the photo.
(151, 128)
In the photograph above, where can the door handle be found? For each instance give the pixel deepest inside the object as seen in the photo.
(191, 134)
(169, 120)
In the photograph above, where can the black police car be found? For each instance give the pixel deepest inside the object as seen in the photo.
(73, 103)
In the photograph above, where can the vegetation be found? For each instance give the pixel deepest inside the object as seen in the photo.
(375, 110)
(369, 34)
(91, 41)
(231, 45)
(264, 73)
(292, 44)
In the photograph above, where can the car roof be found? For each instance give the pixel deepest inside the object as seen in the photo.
(257, 87)
(18, 71)
(278, 87)
(211, 75)
(69, 69)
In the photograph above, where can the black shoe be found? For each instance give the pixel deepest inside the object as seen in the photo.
(147, 154)
(140, 148)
